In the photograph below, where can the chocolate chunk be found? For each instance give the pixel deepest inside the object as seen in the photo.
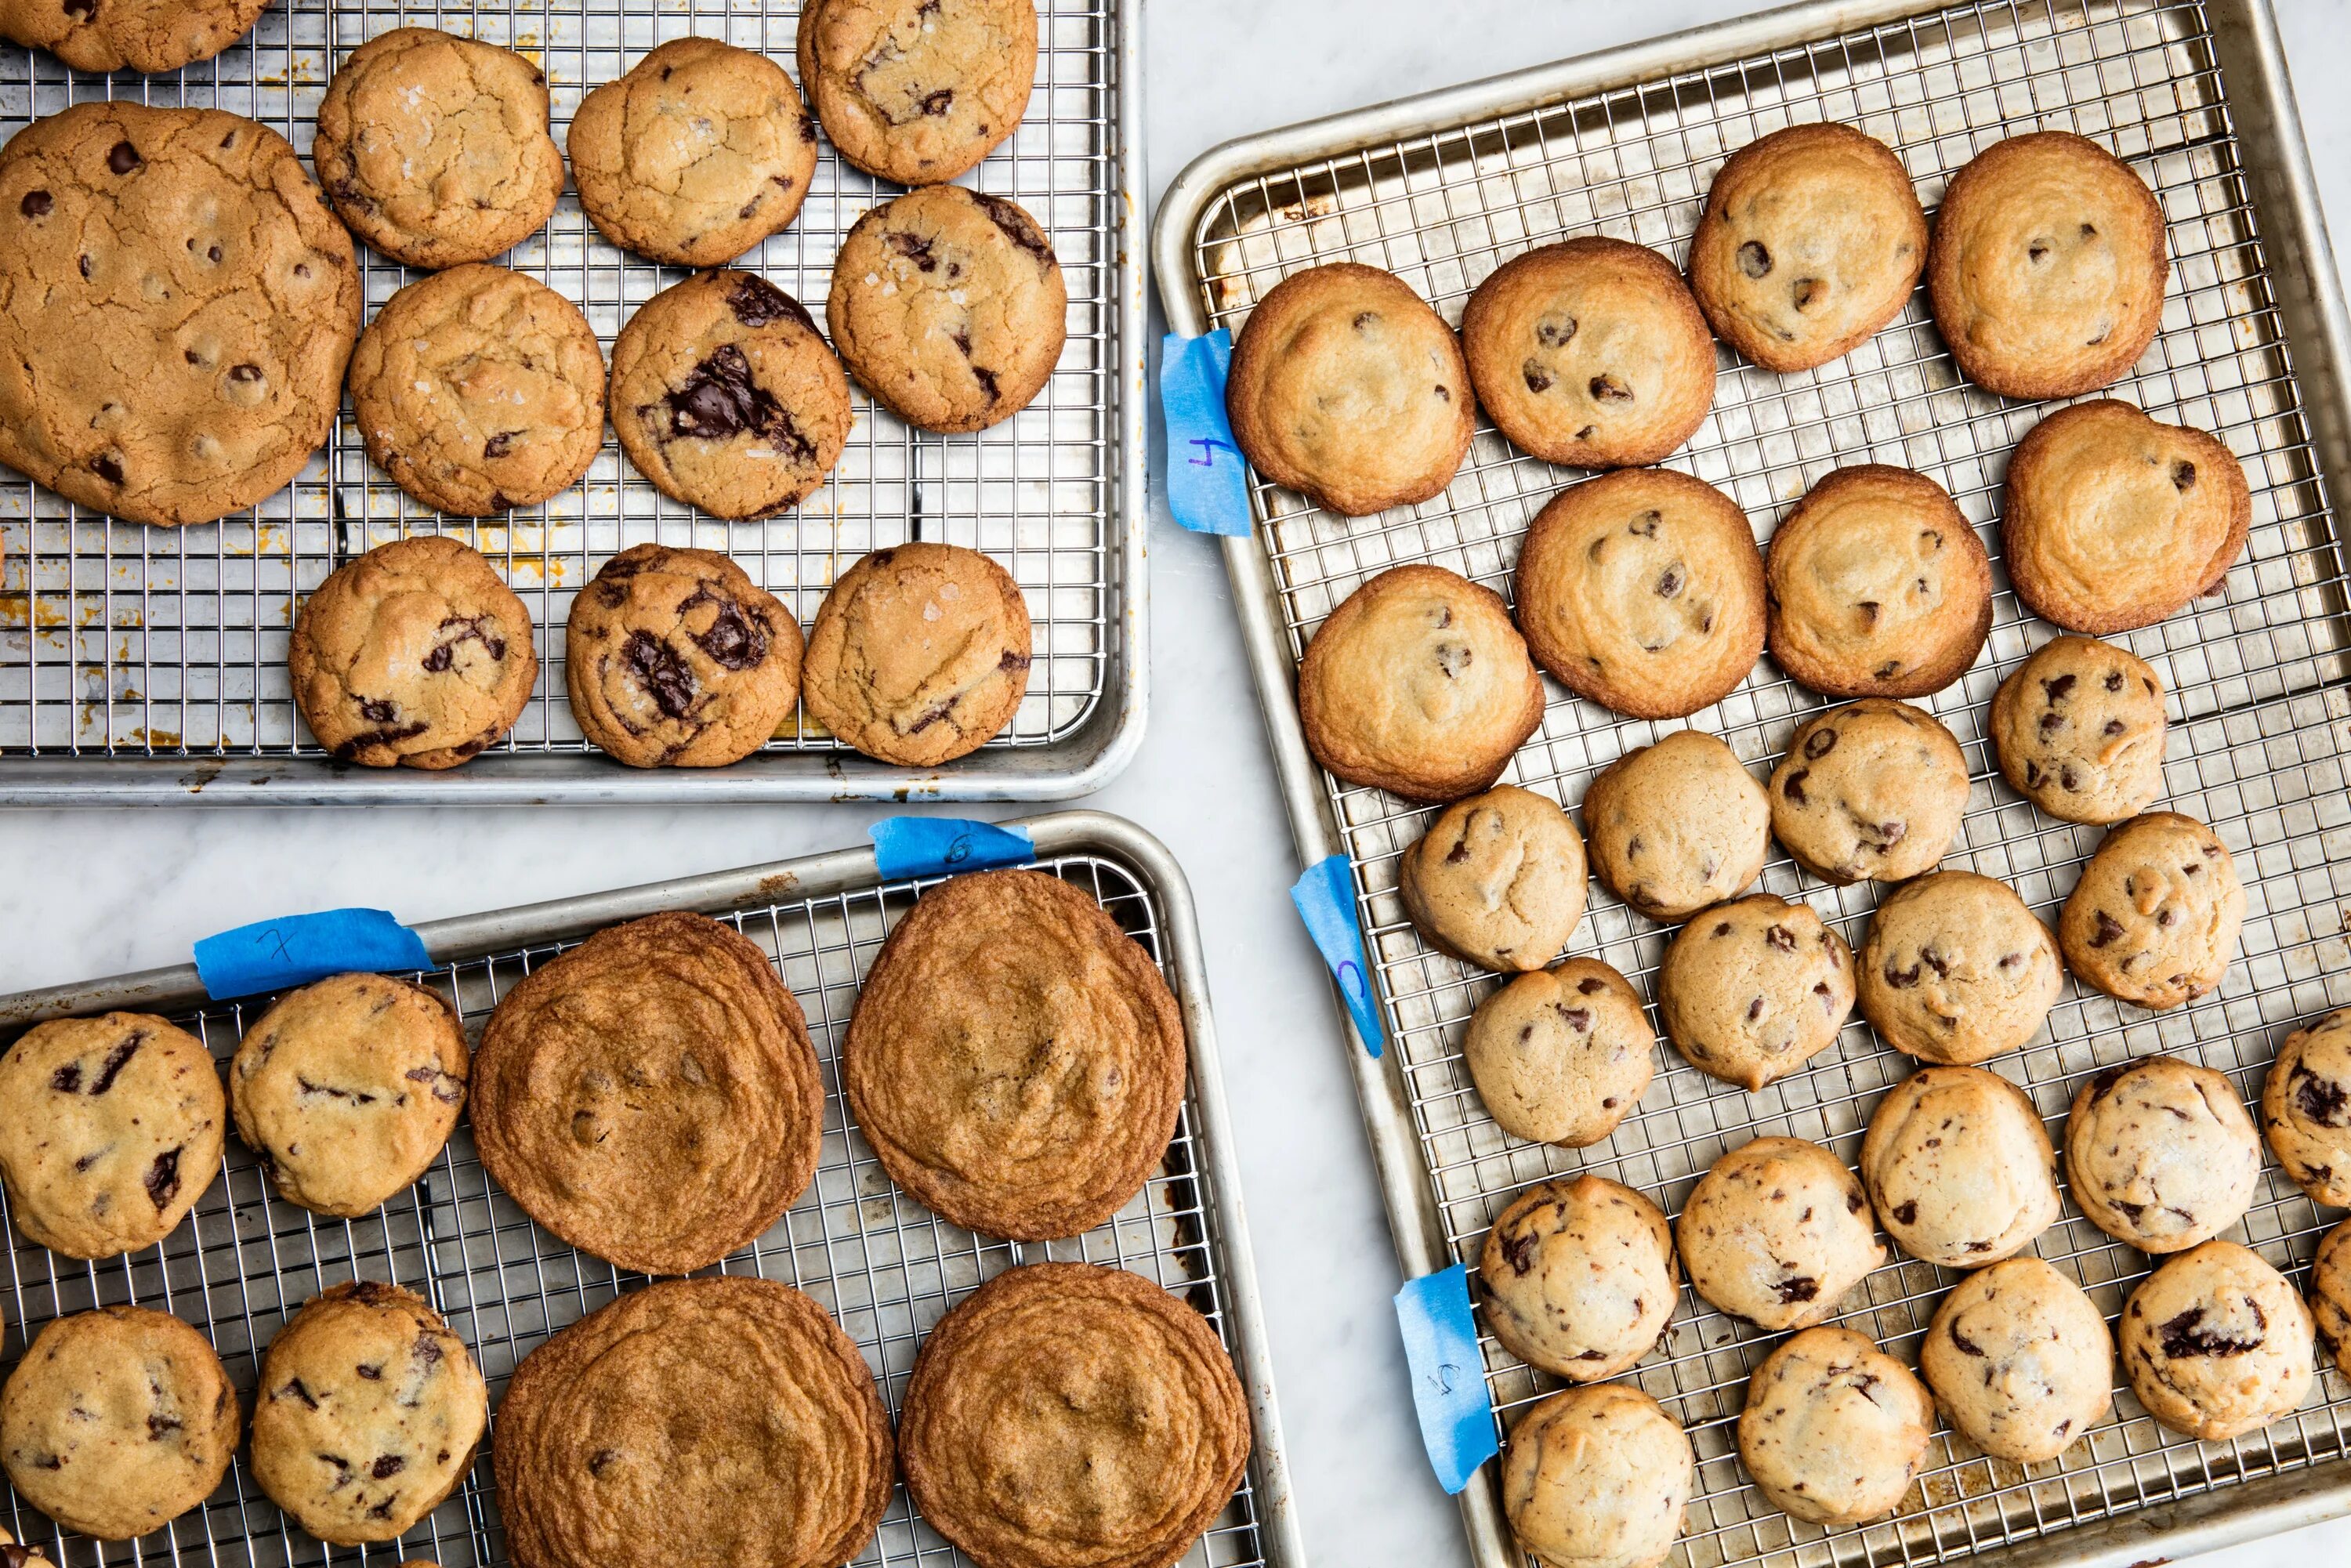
(1753, 259)
(426, 1349)
(1518, 1251)
(499, 446)
(1793, 786)
(1900, 979)
(1819, 744)
(1754, 1010)
(107, 466)
(378, 710)
(359, 742)
(1908, 1213)
(1537, 379)
(2108, 928)
(2183, 475)
(663, 672)
(67, 1080)
(1607, 388)
(116, 1061)
(161, 1427)
(1017, 225)
(1802, 1287)
(721, 399)
(938, 103)
(2320, 1100)
(2054, 690)
(457, 630)
(2114, 682)
(914, 248)
(163, 1178)
(122, 158)
(1578, 1019)
(756, 302)
(1554, 331)
(734, 640)
(36, 205)
(1780, 938)
(386, 1464)
(986, 380)
(1589, 987)
(15, 1556)
(2186, 1337)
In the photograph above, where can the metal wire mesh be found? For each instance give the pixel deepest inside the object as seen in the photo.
(122, 641)
(2255, 673)
(884, 1267)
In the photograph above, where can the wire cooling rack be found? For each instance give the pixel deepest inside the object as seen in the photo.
(884, 1267)
(2255, 672)
(120, 643)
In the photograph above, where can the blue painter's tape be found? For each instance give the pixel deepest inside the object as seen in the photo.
(1208, 487)
(1325, 897)
(1448, 1378)
(935, 846)
(271, 955)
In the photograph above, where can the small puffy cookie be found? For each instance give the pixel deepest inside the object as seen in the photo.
(949, 307)
(347, 1089)
(1590, 352)
(1015, 1059)
(2217, 1344)
(1643, 591)
(1347, 389)
(2330, 1295)
(181, 305)
(1597, 1477)
(2161, 1153)
(650, 1096)
(1834, 1428)
(366, 1414)
(1753, 990)
(918, 91)
(147, 36)
(479, 390)
(117, 1422)
(1776, 1232)
(415, 656)
(675, 658)
(2306, 1108)
(1578, 1277)
(1419, 685)
(698, 153)
(1677, 826)
(920, 654)
(2110, 521)
(110, 1129)
(434, 148)
(2154, 918)
(725, 395)
(1959, 1168)
(728, 1413)
(1878, 586)
(1562, 1055)
(2019, 1361)
(2048, 265)
(1497, 880)
(1810, 240)
(1874, 790)
(2079, 730)
(1956, 970)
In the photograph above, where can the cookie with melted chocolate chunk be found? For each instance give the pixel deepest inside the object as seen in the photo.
(2217, 1342)
(1776, 1232)
(918, 91)
(110, 1129)
(2019, 1361)
(12, 1555)
(2306, 1108)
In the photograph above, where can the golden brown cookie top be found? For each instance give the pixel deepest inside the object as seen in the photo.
(2079, 728)
(918, 91)
(1015, 1058)
(147, 36)
(650, 1096)
(1067, 1416)
(1874, 790)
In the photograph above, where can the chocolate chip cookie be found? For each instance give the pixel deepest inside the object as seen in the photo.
(1419, 685)
(347, 1089)
(414, 655)
(147, 36)
(1590, 352)
(1577, 1276)
(182, 303)
(650, 1096)
(479, 390)
(736, 1403)
(117, 1421)
(2306, 1108)
(434, 148)
(675, 658)
(725, 395)
(1497, 880)
(366, 1414)
(2330, 1296)
(16, 1556)
(920, 654)
(2079, 730)
(1878, 586)
(2154, 918)
(1347, 389)
(1958, 1168)
(1834, 1428)
(2019, 1361)
(918, 91)
(949, 307)
(2048, 265)
(1597, 1477)
(2217, 1344)
(1754, 989)
(1874, 790)
(1678, 826)
(1015, 1059)
(1560, 1056)
(698, 153)
(1643, 591)
(2160, 1154)
(1810, 240)
(1776, 1232)
(1956, 970)
(1024, 1435)
(2111, 521)
(110, 1129)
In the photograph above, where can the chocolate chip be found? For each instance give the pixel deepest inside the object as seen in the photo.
(160, 1427)
(1754, 1010)
(499, 445)
(1670, 581)
(1753, 259)
(1869, 608)
(2053, 691)
(1793, 786)
(1537, 379)
(36, 205)
(2108, 928)
(914, 248)
(67, 1080)
(1807, 291)
(2186, 1335)
(2068, 778)
(1554, 331)
(756, 302)
(122, 158)
(1900, 979)
(1644, 526)
(1908, 1213)
(107, 466)
(1607, 388)
(2321, 1100)
(457, 630)
(117, 1059)
(1820, 743)
(378, 710)
(1722, 928)
(733, 640)
(1017, 225)
(1802, 1287)
(1780, 938)
(721, 399)
(1589, 987)
(163, 1178)
(386, 1464)
(2183, 475)
(598, 1460)
(1578, 1019)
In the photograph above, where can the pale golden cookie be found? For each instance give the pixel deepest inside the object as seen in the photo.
(2019, 1361)
(1577, 1277)
(1562, 1055)
(1956, 970)
(1959, 1168)
(2161, 1153)
(1597, 1477)
(1753, 990)
(1678, 826)
(2079, 728)
(1871, 790)
(1835, 1428)
(1497, 880)
(2306, 1108)
(918, 91)
(2155, 917)
(1776, 1232)
(2217, 1344)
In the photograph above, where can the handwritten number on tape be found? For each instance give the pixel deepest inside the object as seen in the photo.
(937, 846)
(1449, 1382)
(1208, 482)
(295, 949)
(1325, 897)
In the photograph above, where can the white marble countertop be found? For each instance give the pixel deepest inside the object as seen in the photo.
(95, 893)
